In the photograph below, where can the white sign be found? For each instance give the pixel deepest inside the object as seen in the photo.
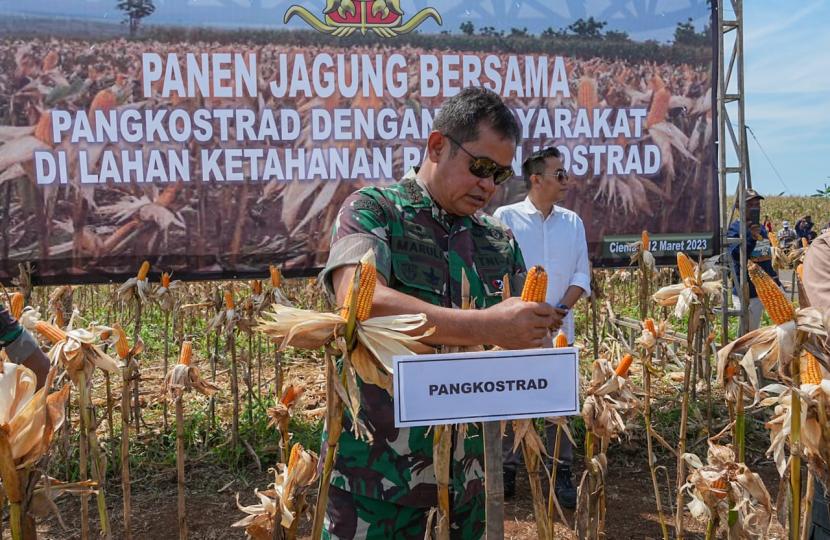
(433, 389)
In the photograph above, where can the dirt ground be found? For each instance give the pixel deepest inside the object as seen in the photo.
(212, 507)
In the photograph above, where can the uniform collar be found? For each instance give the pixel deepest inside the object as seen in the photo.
(528, 207)
(418, 197)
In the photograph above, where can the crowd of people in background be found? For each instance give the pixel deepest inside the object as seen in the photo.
(790, 237)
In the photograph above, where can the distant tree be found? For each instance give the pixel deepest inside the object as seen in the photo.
(685, 34)
(551, 32)
(490, 31)
(134, 11)
(614, 35)
(518, 32)
(467, 28)
(590, 28)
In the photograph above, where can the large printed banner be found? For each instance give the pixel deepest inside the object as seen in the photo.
(223, 136)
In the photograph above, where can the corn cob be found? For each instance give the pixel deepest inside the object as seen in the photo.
(644, 241)
(143, 271)
(296, 450)
(659, 107)
(366, 291)
(16, 306)
(625, 363)
(186, 354)
(730, 372)
(536, 285)
(685, 266)
(228, 299)
(720, 485)
(291, 394)
(43, 129)
(561, 340)
(256, 286)
(804, 242)
(773, 240)
(165, 280)
(649, 324)
(800, 272)
(276, 277)
(103, 101)
(121, 345)
(779, 308)
(50, 61)
(586, 96)
(812, 375)
(50, 331)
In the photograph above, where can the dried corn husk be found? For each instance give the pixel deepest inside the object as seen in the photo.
(608, 398)
(184, 378)
(706, 285)
(722, 485)
(773, 348)
(164, 293)
(284, 501)
(28, 419)
(78, 352)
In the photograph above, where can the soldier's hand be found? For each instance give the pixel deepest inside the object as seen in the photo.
(514, 324)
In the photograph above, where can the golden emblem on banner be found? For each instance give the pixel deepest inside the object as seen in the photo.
(343, 17)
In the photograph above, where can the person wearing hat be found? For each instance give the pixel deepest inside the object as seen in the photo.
(554, 237)
(786, 236)
(758, 250)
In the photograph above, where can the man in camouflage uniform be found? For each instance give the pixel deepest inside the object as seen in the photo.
(424, 231)
(21, 347)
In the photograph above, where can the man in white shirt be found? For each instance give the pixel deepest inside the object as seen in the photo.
(554, 237)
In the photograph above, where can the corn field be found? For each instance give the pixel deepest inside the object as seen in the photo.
(214, 394)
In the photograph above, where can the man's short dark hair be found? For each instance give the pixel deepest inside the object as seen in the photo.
(461, 115)
(535, 162)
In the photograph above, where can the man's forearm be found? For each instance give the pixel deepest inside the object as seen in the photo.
(572, 296)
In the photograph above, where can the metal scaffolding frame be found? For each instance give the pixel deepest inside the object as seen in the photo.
(730, 103)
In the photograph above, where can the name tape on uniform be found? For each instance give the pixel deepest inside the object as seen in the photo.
(434, 389)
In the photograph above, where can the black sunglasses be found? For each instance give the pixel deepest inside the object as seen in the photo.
(484, 167)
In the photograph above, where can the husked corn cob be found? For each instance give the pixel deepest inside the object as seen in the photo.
(228, 299)
(649, 324)
(16, 306)
(143, 271)
(256, 286)
(291, 394)
(721, 485)
(121, 345)
(165, 280)
(276, 276)
(561, 340)
(804, 242)
(624, 365)
(644, 241)
(50, 331)
(685, 266)
(365, 293)
(586, 96)
(186, 354)
(50, 61)
(43, 129)
(103, 101)
(812, 375)
(779, 308)
(536, 285)
(730, 371)
(659, 107)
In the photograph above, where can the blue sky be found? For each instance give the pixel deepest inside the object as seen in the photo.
(787, 86)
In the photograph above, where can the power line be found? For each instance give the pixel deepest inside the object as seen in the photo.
(780, 179)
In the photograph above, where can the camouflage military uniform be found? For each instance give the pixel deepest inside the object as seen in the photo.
(421, 251)
(17, 343)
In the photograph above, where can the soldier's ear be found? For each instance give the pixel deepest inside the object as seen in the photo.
(436, 144)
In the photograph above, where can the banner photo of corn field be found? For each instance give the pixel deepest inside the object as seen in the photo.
(214, 138)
